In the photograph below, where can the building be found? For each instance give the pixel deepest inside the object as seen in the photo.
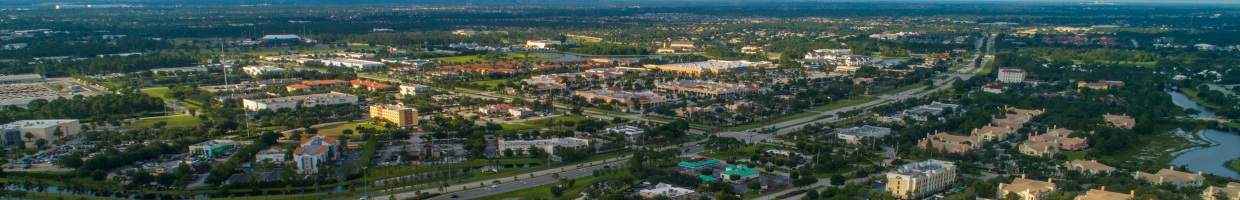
(947, 142)
(681, 45)
(281, 39)
(22, 78)
(1172, 177)
(854, 135)
(313, 84)
(1051, 142)
(541, 44)
(994, 88)
(612, 72)
(710, 66)
(699, 163)
(413, 89)
(275, 154)
(353, 63)
(495, 109)
(261, 70)
(28, 132)
(922, 112)
(622, 97)
(738, 173)
(294, 102)
(921, 179)
(1103, 194)
(212, 148)
(314, 152)
(1089, 167)
(1011, 75)
(397, 114)
(1120, 121)
(1099, 85)
(666, 190)
(547, 145)
(1027, 189)
(370, 85)
(827, 54)
(1229, 192)
(706, 88)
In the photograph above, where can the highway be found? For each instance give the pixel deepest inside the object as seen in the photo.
(512, 183)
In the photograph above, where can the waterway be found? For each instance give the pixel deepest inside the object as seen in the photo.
(1223, 146)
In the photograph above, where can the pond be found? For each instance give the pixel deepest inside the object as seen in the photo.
(1224, 145)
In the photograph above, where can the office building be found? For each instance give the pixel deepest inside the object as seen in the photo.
(397, 114)
(921, 179)
(28, 132)
(301, 101)
(314, 152)
(1010, 75)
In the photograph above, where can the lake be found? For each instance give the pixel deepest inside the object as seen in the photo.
(1224, 145)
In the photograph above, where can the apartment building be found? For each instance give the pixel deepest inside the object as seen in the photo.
(397, 114)
(921, 179)
(1229, 192)
(1172, 177)
(1011, 75)
(710, 66)
(1103, 194)
(1027, 189)
(947, 142)
(1089, 167)
(1120, 121)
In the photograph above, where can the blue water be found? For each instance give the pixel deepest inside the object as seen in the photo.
(1225, 146)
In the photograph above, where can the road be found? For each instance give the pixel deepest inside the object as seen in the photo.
(512, 183)
(540, 180)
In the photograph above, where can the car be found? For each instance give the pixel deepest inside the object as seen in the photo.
(454, 196)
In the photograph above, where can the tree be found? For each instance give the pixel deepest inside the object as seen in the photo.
(837, 179)
(98, 175)
(73, 160)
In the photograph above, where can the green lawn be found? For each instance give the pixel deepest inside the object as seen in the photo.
(162, 93)
(541, 123)
(171, 121)
(1234, 165)
(484, 58)
(491, 85)
(736, 153)
(338, 129)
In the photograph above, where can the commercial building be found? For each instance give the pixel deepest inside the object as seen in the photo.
(855, 135)
(294, 102)
(541, 44)
(612, 72)
(666, 190)
(312, 84)
(622, 97)
(1010, 75)
(547, 145)
(413, 89)
(1103, 194)
(921, 179)
(314, 152)
(261, 70)
(22, 78)
(922, 112)
(1171, 177)
(27, 132)
(1089, 167)
(1027, 189)
(353, 63)
(397, 114)
(710, 66)
(281, 39)
(738, 173)
(1229, 192)
(706, 88)
(275, 154)
(370, 85)
(212, 148)
(699, 163)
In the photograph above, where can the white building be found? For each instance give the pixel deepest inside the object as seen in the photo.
(854, 135)
(548, 145)
(921, 179)
(541, 44)
(271, 155)
(353, 63)
(413, 89)
(212, 148)
(30, 131)
(665, 190)
(22, 78)
(261, 70)
(1010, 75)
(293, 102)
(314, 152)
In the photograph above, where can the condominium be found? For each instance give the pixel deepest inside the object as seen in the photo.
(1229, 192)
(1172, 177)
(1120, 121)
(314, 152)
(294, 102)
(1089, 167)
(1051, 142)
(27, 132)
(397, 114)
(1103, 194)
(547, 145)
(710, 66)
(1027, 189)
(1011, 75)
(921, 179)
(947, 142)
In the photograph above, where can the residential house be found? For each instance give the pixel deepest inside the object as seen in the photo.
(1027, 189)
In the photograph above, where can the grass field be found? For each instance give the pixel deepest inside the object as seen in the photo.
(541, 123)
(162, 93)
(735, 153)
(171, 121)
(491, 85)
(338, 130)
(482, 58)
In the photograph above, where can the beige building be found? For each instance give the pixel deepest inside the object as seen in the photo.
(710, 66)
(1120, 121)
(1172, 177)
(27, 132)
(397, 114)
(1089, 167)
(1229, 192)
(948, 142)
(921, 179)
(1027, 189)
(1103, 194)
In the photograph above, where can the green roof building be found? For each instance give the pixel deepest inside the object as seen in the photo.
(741, 171)
(699, 164)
